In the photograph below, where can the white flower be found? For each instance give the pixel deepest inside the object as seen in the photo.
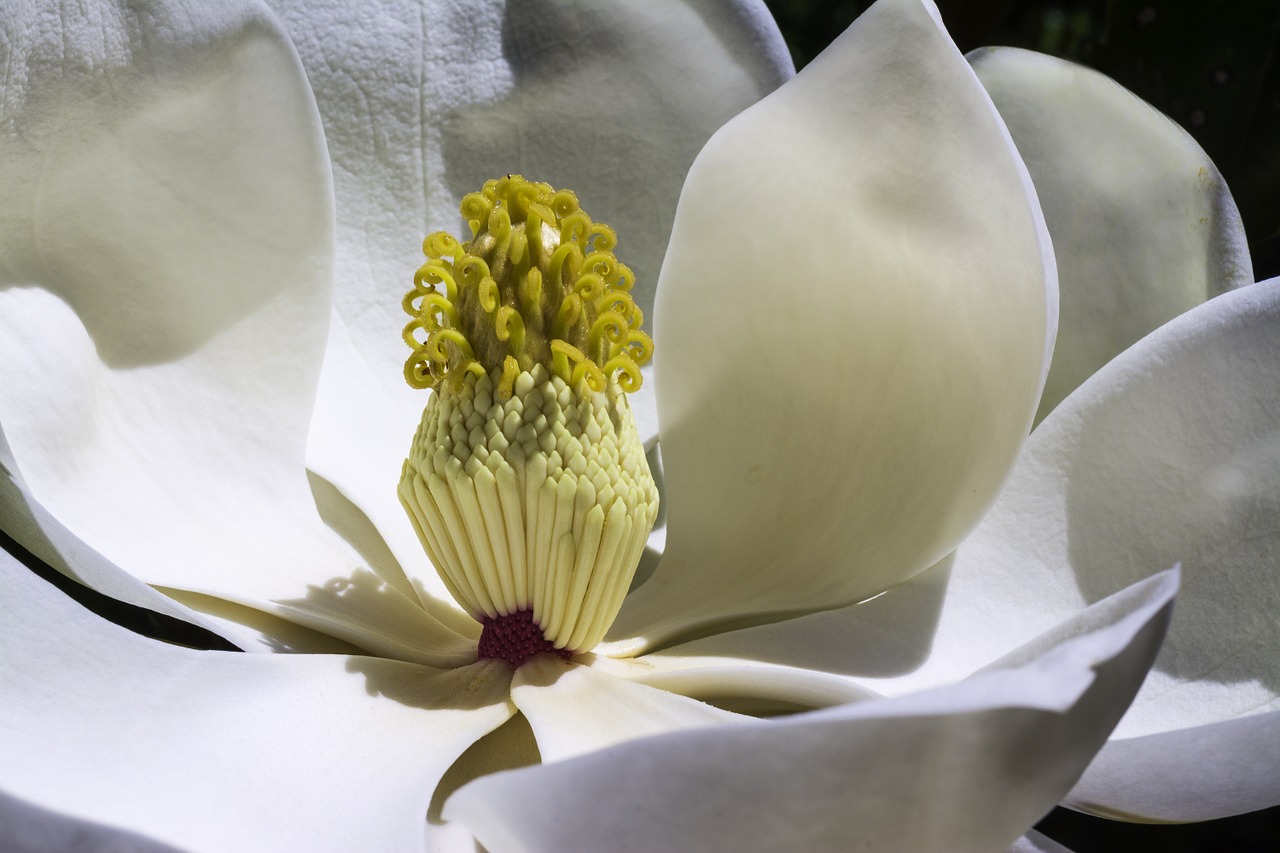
(853, 325)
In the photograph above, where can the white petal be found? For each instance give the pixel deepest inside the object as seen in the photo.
(25, 828)
(423, 103)
(1034, 842)
(853, 325)
(1167, 455)
(35, 529)
(755, 687)
(1204, 772)
(167, 248)
(575, 709)
(1143, 224)
(213, 751)
(968, 767)
(1170, 454)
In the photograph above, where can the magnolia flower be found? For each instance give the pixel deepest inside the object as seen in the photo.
(204, 249)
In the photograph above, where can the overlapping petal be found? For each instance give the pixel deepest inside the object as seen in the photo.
(221, 751)
(164, 303)
(854, 319)
(967, 767)
(1167, 455)
(1143, 225)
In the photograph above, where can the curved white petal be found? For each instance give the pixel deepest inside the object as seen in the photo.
(852, 327)
(166, 252)
(1171, 453)
(755, 687)
(423, 103)
(1204, 772)
(34, 528)
(1167, 455)
(967, 767)
(213, 751)
(1143, 224)
(575, 709)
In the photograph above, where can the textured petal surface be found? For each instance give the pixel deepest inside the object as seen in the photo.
(164, 300)
(852, 329)
(1143, 225)
(1169, 454)
(213, 751)
(968, 767)
(423, 103)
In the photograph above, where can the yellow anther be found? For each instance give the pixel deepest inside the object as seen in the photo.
(537, 268)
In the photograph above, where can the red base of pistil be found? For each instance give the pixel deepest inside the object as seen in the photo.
(515, 638)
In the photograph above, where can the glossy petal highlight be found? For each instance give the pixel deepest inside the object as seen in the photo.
(855, 314)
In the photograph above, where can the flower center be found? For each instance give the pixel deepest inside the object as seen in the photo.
(526, 480)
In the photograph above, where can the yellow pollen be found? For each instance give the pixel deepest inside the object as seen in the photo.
(526, 482)
(538, 282)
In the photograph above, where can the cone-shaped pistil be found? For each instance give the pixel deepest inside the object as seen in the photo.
(526, 481)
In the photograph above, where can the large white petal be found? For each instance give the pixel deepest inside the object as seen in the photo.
(574, 709)
(216, 751)
(1171, 453)
(165, 259)
(967, 767)
(424, 102)
(1143, 225)
(852, 329)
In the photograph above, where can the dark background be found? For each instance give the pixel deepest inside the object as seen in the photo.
(1208, 66)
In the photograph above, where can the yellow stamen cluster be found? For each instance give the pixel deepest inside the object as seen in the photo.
(527, 483)
(538, 283)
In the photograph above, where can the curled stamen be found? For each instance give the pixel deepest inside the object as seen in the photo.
(570, 253)
(499, 224)
(435, 345)
(601, 237)
(610, 326)
(575, 227)
(407, 334)
(509, 327)
(570, 311)
(602, 264)
(476, 208)
(629, 376)
(563, 203)
(590, 287)
(435, 306)
(488, 293)
(436, 272)
(639, 347)
(538, 268)
(472, 271)
(441, 244)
